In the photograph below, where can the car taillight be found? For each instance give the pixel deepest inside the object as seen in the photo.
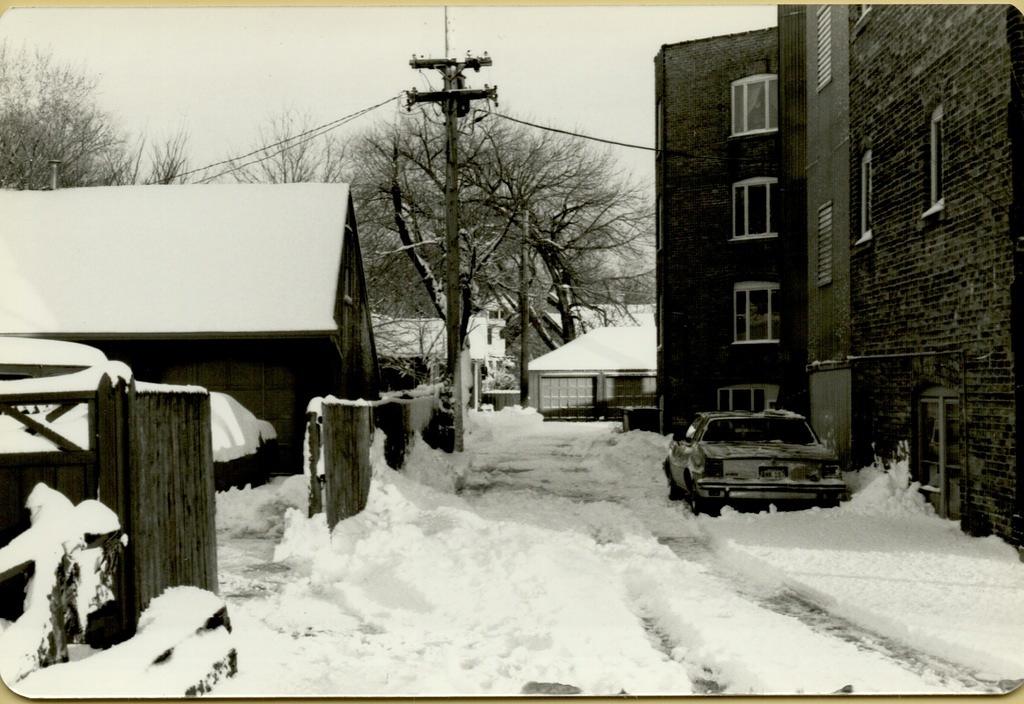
(830, 471)
(712, 468)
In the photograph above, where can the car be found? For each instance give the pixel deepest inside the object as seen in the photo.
(726, 457)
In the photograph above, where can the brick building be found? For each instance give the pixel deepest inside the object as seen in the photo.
(933, 135)
(827, 215)
(722, 299)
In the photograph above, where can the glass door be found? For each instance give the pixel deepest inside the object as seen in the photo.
(939, 462)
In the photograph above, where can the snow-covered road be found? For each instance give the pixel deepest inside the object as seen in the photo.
(551, 560)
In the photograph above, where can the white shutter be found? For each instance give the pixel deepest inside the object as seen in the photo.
(825, 244)
(824, 45)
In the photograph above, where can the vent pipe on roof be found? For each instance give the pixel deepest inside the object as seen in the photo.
(54, 173)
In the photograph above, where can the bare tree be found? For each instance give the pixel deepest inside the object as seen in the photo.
(291, 150)
(48, 111)
(588, 225)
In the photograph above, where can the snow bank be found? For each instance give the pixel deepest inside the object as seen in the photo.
(886, 561)
(236, 431)
(422, 596)
(58, 527)
(260, 511)
(143, 665)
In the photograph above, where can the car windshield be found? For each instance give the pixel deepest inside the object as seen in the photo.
(792, 431)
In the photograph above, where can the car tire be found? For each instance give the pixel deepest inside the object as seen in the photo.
(675, 492)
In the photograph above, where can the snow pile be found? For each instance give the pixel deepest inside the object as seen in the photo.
(423, 596)
(876, 491)
(171, 651)
(58, 528)
(886, 561)
(433, 468)
(236, 431)
(506, 423)
(260, 511)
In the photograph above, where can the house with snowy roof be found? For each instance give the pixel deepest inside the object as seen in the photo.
(597, 375)
(253, 290)
(412, 350)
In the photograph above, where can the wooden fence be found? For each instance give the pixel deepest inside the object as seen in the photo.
(338, 438)
(148, 457)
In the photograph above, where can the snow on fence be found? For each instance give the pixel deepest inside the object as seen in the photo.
(143, 450)
(337, 448)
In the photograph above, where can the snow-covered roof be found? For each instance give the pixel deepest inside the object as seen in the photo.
(22, 351)
(604, 349)
(171, 259)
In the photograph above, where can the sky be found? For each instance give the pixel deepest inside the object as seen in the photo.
(221, 73)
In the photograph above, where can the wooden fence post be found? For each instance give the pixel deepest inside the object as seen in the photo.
(313, 445)
(346, 460)
(113, 467)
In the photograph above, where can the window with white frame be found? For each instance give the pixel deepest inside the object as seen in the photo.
(755, 104)
(752, 208)
(935, 163)
(866, 176)
(747, 397)
(756, 312)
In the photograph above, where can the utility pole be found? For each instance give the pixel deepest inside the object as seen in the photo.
(456, 101)
(524, 316)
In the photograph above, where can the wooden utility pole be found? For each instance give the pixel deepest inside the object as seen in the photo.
(524, 316)
(456, 101)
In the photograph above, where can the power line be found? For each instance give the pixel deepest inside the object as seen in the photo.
(313, 133)
(671, 152)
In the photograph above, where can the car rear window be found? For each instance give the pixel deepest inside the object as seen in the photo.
(791, 431)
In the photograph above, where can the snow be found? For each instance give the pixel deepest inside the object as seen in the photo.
(35, 351)
(85, 380)
(548, 555)
(177, 259)
(618, 348)
(236, 431)
(58, 527)
(174, 619)
(884, 559)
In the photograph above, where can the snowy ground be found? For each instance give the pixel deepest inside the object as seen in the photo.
(550, 560)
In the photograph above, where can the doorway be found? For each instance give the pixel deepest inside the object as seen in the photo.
(939, 455)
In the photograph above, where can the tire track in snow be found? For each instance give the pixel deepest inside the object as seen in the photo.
(704, 679)
(788, 602)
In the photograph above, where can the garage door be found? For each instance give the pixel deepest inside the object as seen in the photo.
(568, 396)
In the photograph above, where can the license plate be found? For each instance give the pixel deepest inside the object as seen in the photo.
(773, 472)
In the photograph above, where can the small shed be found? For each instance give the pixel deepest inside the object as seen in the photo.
(597, 375)
(253, 290)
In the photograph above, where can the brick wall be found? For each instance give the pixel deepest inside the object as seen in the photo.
(941, 283)
(697, 264)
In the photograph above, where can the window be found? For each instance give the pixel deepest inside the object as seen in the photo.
(752, 202)
(865, 197)
(755, 104)
(749, 397)
(755, 312)
(825, 244)
(824, 45)
(935, 164)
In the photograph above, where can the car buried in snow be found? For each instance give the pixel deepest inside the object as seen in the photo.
(728, 457)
